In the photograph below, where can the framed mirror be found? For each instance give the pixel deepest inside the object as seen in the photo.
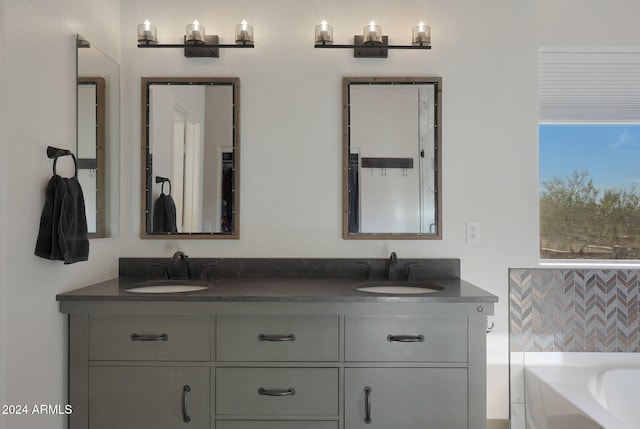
(97, 137)
(392, 158)
(191, 158)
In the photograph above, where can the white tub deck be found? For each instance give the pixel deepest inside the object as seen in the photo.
(582, 390)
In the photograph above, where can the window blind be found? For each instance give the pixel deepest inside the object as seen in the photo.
(589, 87)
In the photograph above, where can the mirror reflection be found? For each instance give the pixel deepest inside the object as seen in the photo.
(90, 151)
(97, 138)
(191, 157)
(391, 159)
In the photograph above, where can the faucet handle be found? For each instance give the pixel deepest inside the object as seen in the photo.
(411, 275)
(165, 269)
(205, 270)
(370, 275)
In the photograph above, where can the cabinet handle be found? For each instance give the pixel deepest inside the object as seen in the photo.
(161, 337)
(367, 405)
(185, 414)
(263, 337)
(276, 392)
(405, 338)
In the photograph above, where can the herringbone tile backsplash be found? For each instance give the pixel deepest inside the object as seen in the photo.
(562, 310)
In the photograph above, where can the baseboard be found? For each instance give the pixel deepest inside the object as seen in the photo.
(497, 424)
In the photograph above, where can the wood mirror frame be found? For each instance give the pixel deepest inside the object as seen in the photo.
(230, 156)
(416, 139)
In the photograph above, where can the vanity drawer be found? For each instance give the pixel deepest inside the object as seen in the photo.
(288, 338)
(150, 337)
(277, 391)
(405, 339)
(280, 424)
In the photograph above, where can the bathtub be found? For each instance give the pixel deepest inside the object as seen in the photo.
(582, 390)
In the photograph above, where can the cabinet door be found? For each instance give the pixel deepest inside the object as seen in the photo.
(405, 398)
(149, 397)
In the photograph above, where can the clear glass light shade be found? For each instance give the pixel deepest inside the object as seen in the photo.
(372, 33)
(195, 33)
(147, 33)
(244, 33)
(421, 35)
(324, 33)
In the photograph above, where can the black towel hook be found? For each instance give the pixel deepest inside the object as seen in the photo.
(163, 180)
(55, 153)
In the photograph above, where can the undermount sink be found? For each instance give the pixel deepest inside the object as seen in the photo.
(399, 287)
(167, 287)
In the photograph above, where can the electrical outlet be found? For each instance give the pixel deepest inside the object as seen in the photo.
(473, 232)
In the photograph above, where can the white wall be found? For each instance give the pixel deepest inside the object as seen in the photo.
(37, 39)
(3, 230)
(291, 131)
(486, 53)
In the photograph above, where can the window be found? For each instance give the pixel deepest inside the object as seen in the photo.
(589, 152)
(589, 191)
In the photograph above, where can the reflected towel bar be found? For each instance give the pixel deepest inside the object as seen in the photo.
(387, 162)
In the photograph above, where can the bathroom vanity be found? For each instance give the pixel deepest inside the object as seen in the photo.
(256, 352)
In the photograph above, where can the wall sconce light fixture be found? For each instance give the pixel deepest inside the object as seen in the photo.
(421, 35)
(244, 33)
(196, 42)
(324, 33)
(147, 33)
(195, 34)
(372, 43)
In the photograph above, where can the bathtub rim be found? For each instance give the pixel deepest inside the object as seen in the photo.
(572, 374)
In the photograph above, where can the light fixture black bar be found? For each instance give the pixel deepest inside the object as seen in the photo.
(373, 46)
(210, 48)
(193, 46)
(370, 50)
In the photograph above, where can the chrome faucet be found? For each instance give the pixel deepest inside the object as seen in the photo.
(392, 265)
(180, 256)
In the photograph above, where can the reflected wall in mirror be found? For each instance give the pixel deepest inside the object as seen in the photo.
(97, 138)
(391, 158)
(90, 151)
(191, 158)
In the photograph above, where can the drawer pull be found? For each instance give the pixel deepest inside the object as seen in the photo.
(405, 338)
(367, 405)
(161, 337)
(276, 392)
(263, 337)
(185, 414)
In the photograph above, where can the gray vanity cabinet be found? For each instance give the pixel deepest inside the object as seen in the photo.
(405, 338)
(273, 368)
(291, 424)
(407, 398)
(280, 392)
(277, 364)
(413, 374)
(277, 338)
(133, 397)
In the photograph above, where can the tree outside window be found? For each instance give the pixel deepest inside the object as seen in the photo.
(589, 199)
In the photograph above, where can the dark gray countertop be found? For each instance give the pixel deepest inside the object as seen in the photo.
(275, 289)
